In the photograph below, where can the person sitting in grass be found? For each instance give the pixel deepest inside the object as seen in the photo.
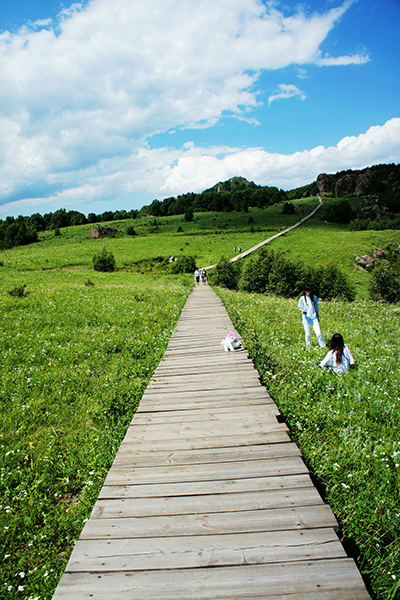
(339, 357)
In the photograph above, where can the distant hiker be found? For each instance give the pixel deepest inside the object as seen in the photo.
(204, 277)
(234, 248)
(339, 357)
(239, 249)
(197, 276)
(308, 304)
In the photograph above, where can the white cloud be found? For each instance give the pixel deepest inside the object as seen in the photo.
(158, 173)
(80, 96)
(196, 171)
(287, 91)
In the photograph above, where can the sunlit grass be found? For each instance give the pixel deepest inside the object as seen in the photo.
(74, 362)
(347, 427)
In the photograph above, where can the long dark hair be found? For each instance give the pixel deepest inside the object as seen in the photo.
(337, 346)
(308, 288)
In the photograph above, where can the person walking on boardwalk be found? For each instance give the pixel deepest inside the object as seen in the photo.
(308, 304)
(339, 357)
(197, 277)
(204, 277)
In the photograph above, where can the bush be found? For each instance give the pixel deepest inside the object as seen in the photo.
(104, 261)
(189, 215)
(385, 283)
(225, 274)
(340, 212)
(19, 291)
(271, 272)
(288, 208)
(130, 230)
(184, 264)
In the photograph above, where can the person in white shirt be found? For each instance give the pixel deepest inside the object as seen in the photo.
(308, 304)
(339, 357)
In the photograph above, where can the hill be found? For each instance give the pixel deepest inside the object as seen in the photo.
(233, 184)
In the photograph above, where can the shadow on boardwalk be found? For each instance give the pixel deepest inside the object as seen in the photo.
(207, 497)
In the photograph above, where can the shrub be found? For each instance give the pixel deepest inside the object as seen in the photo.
(340, 212)
(89, 283)
(189, 215)
(329, 282)
(179, 230)
(104, 261)
(184, 264)
(225, 274)
(385, 283)
(130, 230)
(271, 272)
(19, 291)
(288, 208)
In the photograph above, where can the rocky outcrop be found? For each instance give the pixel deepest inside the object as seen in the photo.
(365, 261)
(99, 231)
(345, 185)
(324, 183)
(379, 253)
(364, 181)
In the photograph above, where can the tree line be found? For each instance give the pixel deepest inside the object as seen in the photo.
(21, 231)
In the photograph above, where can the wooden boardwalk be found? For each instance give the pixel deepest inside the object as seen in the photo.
(207, 497)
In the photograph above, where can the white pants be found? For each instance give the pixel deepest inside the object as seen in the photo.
(307, 330)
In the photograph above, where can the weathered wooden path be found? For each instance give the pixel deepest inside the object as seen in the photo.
(208, 498)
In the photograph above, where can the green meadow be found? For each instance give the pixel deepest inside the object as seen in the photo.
(79, 347)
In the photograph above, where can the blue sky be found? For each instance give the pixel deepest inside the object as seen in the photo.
(107, 104)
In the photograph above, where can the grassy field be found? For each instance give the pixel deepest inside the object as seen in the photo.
(75, 360)
(208, 237)
(346, 427)
(78, 350)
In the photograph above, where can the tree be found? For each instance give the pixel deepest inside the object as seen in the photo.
(104, 261)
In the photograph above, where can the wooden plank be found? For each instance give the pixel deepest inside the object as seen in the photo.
(297, 580)
(172, 402)
(213, 414)
(117, 489)
(188, 430)
(195, 504)
(205, 455)
(254, 391)
(299, 517)
(197, 443)
(206, 471)
(203, 551)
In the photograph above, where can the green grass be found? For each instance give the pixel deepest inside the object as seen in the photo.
(75, 360)
(347, 427)
(208, 237)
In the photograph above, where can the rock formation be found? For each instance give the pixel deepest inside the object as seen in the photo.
(99, 231)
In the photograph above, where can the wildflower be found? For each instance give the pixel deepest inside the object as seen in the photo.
(22, 574)
(20, 588)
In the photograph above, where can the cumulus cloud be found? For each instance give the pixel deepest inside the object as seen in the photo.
(196, 171)
(166, 172)
(81, 94)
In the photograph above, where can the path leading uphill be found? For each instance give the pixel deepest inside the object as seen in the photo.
(273, 237)
(208, 498)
